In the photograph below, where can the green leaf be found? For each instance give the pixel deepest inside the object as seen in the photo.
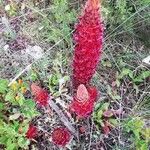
(117, 82)
(66, 78)
(22, 142)
(10, 145)
(1, 106)
(29, 103)
(105, 106)
(141, 144)
(56, 94)
(101, 106)
(54, 80)
(116, 97)
(10, 96)
(142, 76)
(125, 71)
(99, 115)
(113, 121)
(136, 88)
(107, 63)
(28, 109)
(98, 106)
(3, 85)
(20, 101)
(146, 133)
(33, 76)
(3, 139)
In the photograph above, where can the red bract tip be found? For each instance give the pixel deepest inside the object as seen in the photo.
(61, 136)
(93, 4)
(106, 128)
(41, 95)
(82, 93)
(84, 107)
(88, 38)
(32, 132)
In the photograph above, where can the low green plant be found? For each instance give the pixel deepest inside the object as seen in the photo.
(123, 15)
(16, 112)
(57, 26)
(135, 77)
(140, 134)
(99, 116)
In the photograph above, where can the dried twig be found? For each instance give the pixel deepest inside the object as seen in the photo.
(62, 117)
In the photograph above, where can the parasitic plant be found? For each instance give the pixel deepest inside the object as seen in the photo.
(32, 132)
(88, 39)
(41, 96)
(61, 136)
(83, 103)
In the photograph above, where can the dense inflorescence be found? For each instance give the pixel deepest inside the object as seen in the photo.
(32, 132)
(61, 136)
(88, 38)
(41, 96)
(83, 103)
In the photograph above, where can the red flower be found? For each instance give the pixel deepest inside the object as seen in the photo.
(61, 136)
(41, 95)
(83, 102)
(32, 132)
(88, 38)
(106, 128)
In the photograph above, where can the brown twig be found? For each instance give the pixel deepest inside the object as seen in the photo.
(62, 117)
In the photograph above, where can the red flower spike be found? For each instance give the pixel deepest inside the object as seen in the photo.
(93, 92)
(88, 38)
(83, 107)
(61, 136)
(41, 95)
(32, 132)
